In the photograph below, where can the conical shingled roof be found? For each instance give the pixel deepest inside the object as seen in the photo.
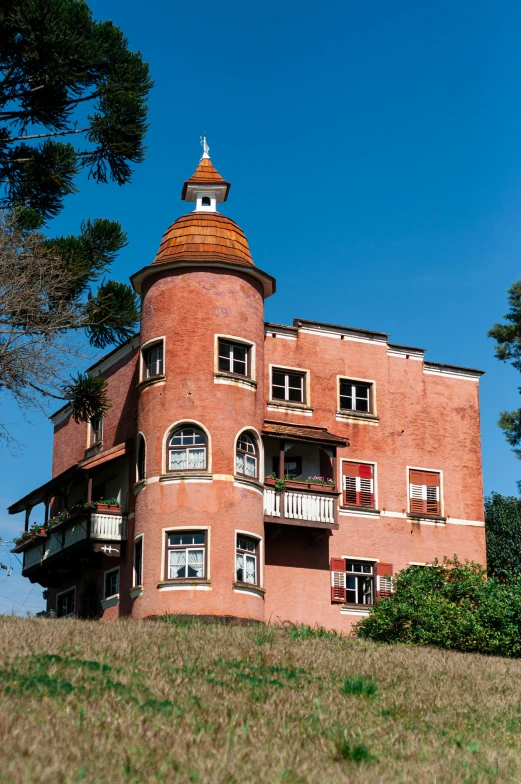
(205, 173)
(204, 236)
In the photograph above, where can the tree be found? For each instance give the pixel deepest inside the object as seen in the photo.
(508, 349)
(62, 74)
(503, 532)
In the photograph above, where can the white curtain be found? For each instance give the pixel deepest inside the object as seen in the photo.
(239, 463)
(197, 458)
(250, 570)
(251, 466)
(239, 566)
(195, 563)
(177, 459)
(177, 564)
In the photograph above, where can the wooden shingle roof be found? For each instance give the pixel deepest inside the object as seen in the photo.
(205, 173)
(319, 435)
(204, 236)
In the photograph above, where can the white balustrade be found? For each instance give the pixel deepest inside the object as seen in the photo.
(300, 506)
(106, 526)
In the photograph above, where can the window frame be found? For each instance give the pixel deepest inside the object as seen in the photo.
(138, 540)
(62, 593)
(149, 344)
(245, 552)
(374, 465)
(371, 383)
(250, 357)
(438, 471)
(106, 574)
(296, 458)
(141, 440)
(180, 427)
(305, 376)
(247, 587)
(256, 454)
(167, 532)
(92, 431)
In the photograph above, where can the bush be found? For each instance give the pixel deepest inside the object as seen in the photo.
(449, 605)
(503, 532)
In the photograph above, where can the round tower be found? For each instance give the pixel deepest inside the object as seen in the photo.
(200, 466)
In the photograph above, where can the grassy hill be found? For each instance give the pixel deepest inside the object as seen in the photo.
(159, 702)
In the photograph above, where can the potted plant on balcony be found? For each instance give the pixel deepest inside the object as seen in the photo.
(107, 505)
(319, 483)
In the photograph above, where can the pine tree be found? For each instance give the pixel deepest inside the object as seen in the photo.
(508, 349)
(72, 97)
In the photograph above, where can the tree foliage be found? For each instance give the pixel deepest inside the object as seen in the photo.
(503, 531)
(508, 349)
(449, 605)
(72, 97)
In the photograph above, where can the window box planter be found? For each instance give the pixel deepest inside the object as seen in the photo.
(108, 508)
(293, 484)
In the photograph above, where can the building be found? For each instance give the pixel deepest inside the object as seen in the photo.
(259, 471)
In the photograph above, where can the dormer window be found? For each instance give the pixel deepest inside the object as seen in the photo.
(206, 201)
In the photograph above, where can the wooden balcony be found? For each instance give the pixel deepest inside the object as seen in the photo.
(298, 504)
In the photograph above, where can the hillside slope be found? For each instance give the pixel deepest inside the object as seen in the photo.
(158, 702)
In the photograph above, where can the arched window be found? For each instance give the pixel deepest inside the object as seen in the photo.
(187, 449)
(205, 201)
(141, 454)
(246, 456)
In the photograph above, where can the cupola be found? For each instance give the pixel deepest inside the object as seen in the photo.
(205, 187)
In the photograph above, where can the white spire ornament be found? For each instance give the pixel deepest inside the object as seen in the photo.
(205, 147)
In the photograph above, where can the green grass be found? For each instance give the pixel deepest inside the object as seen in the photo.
(140, 701)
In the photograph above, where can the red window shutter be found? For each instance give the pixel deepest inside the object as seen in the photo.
(384, 579)
(338, 580)
(358, 484)
(424, 492)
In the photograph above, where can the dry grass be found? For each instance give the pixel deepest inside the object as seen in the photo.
(159, 702)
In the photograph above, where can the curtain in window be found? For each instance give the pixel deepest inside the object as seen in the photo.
(250, 569)
(239, 565)
(250, 466)
(177, 459)
(195, 563)
(239, 463)
(196, 458)
(177, 564)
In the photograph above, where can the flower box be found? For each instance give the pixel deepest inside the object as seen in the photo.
(108, 508)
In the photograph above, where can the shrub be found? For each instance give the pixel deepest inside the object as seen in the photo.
(503, 532)
(449, 605)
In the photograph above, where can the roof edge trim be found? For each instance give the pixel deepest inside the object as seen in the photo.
(268, 281)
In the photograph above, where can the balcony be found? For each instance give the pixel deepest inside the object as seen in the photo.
(301, 504)
(90, 531)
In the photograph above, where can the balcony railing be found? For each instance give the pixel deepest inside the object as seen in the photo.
(104, 527)
(308, 507)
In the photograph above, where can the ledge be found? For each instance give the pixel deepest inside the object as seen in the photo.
(356, 609)
(149, 382)
(136, 591)
(360, 510)
(249, 588)
(235, 379)
(249, 482)
(190, 584)
(138, 486)
(93, 449)
(427, 517)
(287, 405)
(111, 601)
(357, 416)
(178, 476)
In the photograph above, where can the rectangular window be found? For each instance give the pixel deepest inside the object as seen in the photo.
(96, 424)
(186, 555)
(292, 467)
(288, 385)
(234, 358)
(66, 604)
(352, 582)
(424, 492)
(111, 583)
(358, 484)
(138, 561)
(153, 360)
(356, 396)
(246, 561)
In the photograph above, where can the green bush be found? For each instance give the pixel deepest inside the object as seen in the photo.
(503, 532)
(449, 605)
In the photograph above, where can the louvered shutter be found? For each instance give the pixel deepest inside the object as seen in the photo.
(338, 580)
(358, 484)
(384, 579)
(424, 492)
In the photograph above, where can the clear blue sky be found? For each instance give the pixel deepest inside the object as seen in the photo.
(375, 159)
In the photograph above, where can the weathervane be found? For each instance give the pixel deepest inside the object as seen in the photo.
(205, 147)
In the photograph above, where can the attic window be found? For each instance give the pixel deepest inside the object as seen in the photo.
(206, 202)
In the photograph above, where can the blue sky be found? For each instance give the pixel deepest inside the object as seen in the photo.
(374, 154)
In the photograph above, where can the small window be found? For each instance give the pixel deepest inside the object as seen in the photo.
(141, 457)
(186, 555)
(205, 201)
(287, 385)
(246, 456)
(358, 484)
(66, 604)
(424, 492)
(246, 561)
(187, 450)
(292, 467)
(356, 396)
(153, 360)
(234, 358)
(96, 424)
(352, 582)
(138, 561)
(111, 583)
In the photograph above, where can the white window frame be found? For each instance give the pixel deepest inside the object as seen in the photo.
(374, 577)
(251, 355)
(372, 463)
(260, 557)
(306, 386)
(67, 590)
(348, 411)
(431, 471)
(142, 366)
(92, 440)
(137, 539)
(112, 595)
(169, 432)
(177, 529)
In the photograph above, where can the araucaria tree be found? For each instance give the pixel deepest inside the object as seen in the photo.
(508, 349)
(72, 97)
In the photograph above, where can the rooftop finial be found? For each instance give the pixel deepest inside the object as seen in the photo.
(204, 145)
